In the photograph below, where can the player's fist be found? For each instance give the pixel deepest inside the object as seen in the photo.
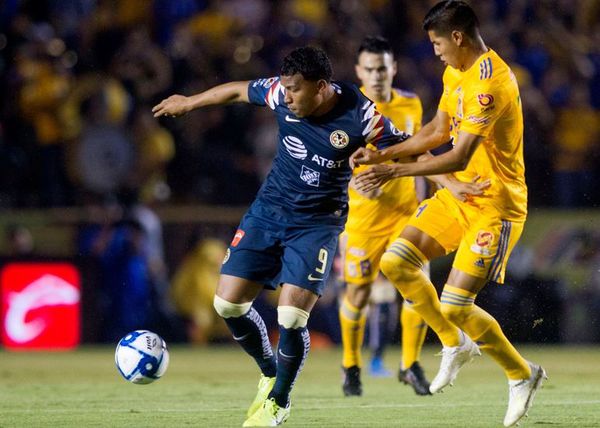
(363, 156)
(175, 105)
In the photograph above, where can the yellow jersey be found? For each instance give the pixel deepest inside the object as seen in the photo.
(484, 100)
(398, 198)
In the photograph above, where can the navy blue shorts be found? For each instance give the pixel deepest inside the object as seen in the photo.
(270, 250)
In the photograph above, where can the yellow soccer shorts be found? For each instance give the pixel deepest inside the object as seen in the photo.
(362, 252)
(482, 240)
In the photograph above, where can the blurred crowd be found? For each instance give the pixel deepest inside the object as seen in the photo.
(79, 78)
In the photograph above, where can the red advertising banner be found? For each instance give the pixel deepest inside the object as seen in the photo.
(40, 304)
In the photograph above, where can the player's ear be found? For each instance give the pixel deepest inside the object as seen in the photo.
(395, 68)
(322, 85)
(457, 37)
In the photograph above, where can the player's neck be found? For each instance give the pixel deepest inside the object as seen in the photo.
(383, 98)
(329, 101)
(473, 53)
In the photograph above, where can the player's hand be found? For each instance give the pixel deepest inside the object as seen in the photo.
(464, 191)
(364, 156)
(374, 177)
(174, 106)
(371, 194)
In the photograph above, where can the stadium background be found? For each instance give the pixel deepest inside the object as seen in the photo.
(87, 175)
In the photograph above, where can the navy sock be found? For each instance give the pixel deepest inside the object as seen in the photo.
(292, 351)
(382, 324)
(250, 331)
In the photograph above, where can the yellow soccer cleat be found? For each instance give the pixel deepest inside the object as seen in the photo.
(268, 415)
(265, 385)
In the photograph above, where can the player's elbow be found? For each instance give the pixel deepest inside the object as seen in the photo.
(461, 164)
(457, 163)
(439, 136)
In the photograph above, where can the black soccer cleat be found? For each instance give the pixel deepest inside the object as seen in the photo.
(352, 384)
(415, 377)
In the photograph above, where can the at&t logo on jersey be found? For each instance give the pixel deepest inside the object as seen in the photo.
(310, 176)
(327, 163)
(295, 147)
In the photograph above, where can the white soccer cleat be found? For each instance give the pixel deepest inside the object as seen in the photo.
(453, 358)
(521, 394)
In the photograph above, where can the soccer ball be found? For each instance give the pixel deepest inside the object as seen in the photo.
(142, 357)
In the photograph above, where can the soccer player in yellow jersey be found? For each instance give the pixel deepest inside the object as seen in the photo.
(375, 220)
(480, 110)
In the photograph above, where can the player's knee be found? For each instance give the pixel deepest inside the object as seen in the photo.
(230, 310)
(357, 295)
(397, 269)
(457, 315)
(351, 311)
(292, 317)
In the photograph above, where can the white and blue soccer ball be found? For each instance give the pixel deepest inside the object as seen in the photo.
(142, 357)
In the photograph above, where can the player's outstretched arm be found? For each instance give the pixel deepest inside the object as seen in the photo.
(227, 93)
(432, 135)
(454, 160)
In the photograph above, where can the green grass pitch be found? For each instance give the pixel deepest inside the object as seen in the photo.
(212, 387)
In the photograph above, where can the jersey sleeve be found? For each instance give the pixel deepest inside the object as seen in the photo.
(483, 105)
(266, 92)
(378, 130)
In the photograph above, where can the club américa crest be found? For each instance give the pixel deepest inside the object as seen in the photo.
(339, 139)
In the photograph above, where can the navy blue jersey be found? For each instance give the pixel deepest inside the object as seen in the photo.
(309, 178)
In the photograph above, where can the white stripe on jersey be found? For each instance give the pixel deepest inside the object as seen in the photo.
(370, 131)
(272, 98)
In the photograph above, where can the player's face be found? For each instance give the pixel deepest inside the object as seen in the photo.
(302, 96)
(376, 72)
(446, 48)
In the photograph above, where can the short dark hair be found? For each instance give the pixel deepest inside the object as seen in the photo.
(309, 61)
(451, 15)
(375, 44)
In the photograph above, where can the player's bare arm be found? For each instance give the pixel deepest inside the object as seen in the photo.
(432, 135)
(177, 105)
(461, 190)
(454, 160)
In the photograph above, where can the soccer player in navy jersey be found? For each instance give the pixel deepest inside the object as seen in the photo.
(289, 235)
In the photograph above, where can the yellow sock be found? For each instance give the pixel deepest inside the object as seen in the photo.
(458, 306)
(352, 322)
(402, 264)
(413, 335)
